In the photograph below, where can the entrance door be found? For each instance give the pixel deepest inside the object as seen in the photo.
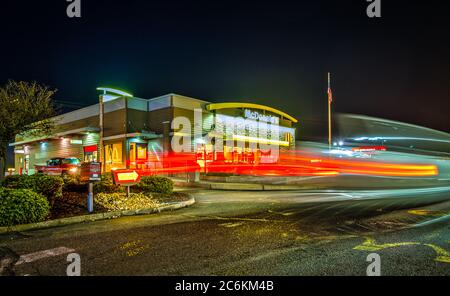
(138, 155)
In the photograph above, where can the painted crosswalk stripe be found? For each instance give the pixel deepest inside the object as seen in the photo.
(31, 257)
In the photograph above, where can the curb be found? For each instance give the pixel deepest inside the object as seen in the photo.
(240, 186)
(96, 217)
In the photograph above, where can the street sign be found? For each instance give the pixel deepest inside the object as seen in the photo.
(91, 171)
(126, 177)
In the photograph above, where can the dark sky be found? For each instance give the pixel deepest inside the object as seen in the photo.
(270, 52)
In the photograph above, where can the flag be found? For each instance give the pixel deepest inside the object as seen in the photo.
(330, 95)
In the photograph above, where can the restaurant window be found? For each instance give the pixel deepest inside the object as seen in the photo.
(113, 156)
(90, 153)
(138, 155)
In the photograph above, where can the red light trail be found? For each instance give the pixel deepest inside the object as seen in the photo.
(289, 164)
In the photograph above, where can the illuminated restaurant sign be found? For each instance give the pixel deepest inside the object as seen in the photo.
(261, 117)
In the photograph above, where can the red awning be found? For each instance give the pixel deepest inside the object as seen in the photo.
(92, 148)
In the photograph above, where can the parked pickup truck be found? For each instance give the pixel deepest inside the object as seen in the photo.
(60, 166)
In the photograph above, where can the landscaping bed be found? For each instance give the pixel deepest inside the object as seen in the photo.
(67, 197)
(75, 204)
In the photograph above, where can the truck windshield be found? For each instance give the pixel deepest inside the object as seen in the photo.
(71, 161)
(53, 162)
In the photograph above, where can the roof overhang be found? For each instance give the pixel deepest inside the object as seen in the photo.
(145, 135)
(236, 105)
(82, 130)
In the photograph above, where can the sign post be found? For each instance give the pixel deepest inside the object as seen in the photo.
(91, 172)
(126, 178)
(90, 200)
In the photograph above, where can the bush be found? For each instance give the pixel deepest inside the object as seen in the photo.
(156, 184)
(72, 183)
(120, 201)
(49, 186)
(106, 185)
(11, 181)
(22, 206)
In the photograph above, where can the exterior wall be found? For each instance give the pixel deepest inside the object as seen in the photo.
(114, 123)
(78, 124)
(157, 117)
(137, 121)
(132, 115)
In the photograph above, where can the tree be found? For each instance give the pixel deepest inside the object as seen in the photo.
(26, 108)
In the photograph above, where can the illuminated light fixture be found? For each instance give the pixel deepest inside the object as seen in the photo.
(110, 94)
(19, 151)
(115, 91)
(233, 105)
(73, 170)
(260, 140)
(76, 141)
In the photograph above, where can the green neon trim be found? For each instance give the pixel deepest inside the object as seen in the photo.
(115, 91)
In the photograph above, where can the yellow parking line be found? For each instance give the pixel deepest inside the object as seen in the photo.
(443, 255)
(429, 213)
(370, 245)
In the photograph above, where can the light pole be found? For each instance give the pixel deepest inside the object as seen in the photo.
(330, 99)
(100, 142)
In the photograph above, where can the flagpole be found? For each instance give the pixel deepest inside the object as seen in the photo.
(329, 113)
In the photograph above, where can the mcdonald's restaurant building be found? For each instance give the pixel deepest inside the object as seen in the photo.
(123, 131)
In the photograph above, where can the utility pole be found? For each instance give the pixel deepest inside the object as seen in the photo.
(100, 141)
(330, 99)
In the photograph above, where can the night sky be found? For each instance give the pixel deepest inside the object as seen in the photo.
(269, 52)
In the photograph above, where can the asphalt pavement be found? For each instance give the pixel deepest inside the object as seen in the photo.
(324, 232)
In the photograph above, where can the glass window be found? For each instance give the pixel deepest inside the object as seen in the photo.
(138, 154)
(142, 151)
(71, 161)
(54, 162)
(113, 156)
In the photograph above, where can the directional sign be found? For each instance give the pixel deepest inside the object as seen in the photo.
(126, 177)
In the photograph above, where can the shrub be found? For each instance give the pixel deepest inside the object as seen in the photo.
(106, 185)
(72, 183)
(156, 184)
(49, 186)
(11, 181)
(120, 201)
(22, 206)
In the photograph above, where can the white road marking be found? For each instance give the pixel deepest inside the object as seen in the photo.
(31, 257)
